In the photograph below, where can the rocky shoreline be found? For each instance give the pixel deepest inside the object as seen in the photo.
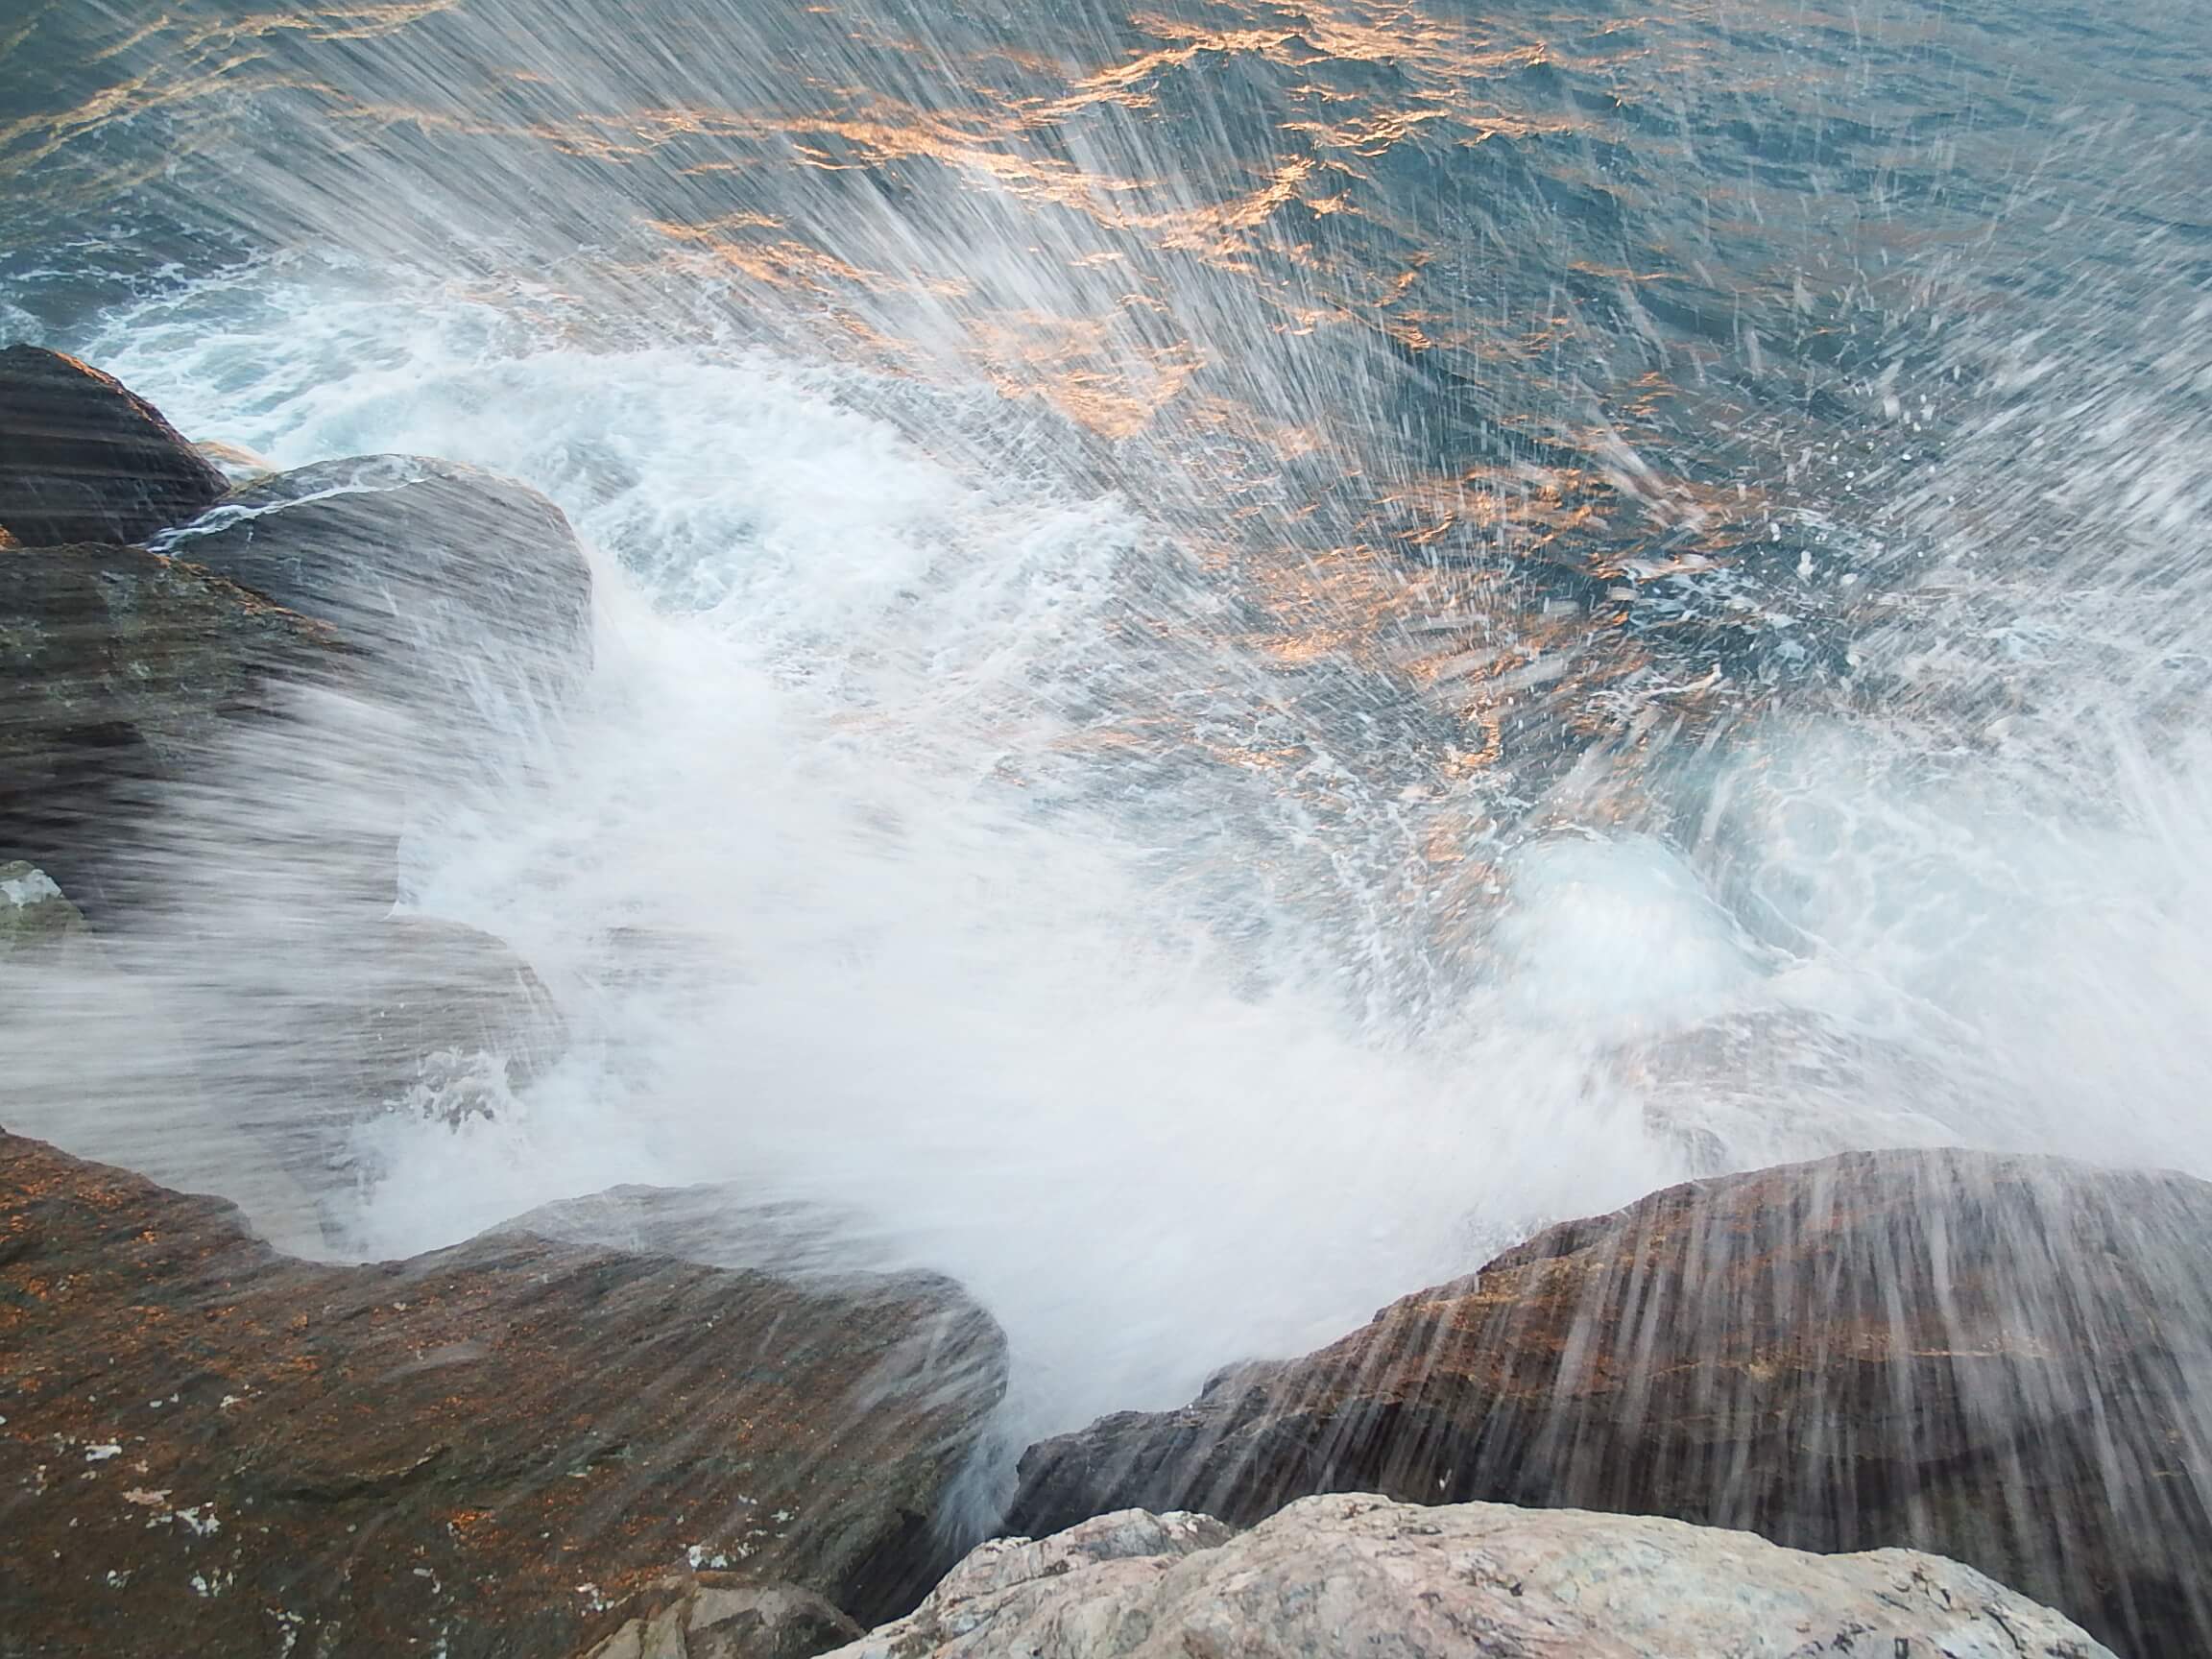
(1871, 1404)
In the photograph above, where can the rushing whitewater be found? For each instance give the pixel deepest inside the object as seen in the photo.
(1240, 653)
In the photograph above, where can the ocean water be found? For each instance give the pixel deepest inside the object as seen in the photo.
(1242, 649)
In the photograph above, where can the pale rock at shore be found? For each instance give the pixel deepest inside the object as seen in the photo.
(1354, 1574)
(238, 465)
(719, 1616)
(32, 910)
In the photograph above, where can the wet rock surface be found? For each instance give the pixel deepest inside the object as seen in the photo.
(81, 459)
(209, 1447)
(121, 671)
(404, 1015)
(1339, 1574)
(722, 1224)
(718, 1616)
(422, 995)
(2006, 1361)
(468, 587)
(357, 1020)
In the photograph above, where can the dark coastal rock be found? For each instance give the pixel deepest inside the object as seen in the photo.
(1337, 1576)
(468, 587)
(2004, 1361)
(494, 1450)
(120, 672)
(81, 459)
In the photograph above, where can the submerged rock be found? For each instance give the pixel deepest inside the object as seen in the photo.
(81, 459)
(423, 994)
(468, 587)
(208, 1447)
(138, 1054)
(120, 672)
(2006, 1361)
(408, 1016)
(1360, 1574)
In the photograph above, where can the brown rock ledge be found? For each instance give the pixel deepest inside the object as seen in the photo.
(211, 1448)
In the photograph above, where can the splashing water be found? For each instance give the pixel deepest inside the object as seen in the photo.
(1238, 655)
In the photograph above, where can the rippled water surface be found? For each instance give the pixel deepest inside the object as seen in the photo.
(1243, 648)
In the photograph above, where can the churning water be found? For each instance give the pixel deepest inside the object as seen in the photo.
(1242, 648)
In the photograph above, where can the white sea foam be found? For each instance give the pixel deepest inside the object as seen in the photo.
(809, 878)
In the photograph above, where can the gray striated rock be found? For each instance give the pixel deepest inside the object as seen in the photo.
(84, 460)
(469, 589)
(261, 1064)
(120, 673)
(722, 1224)
(426, 995)
(409, 1015)
(1356, 1573)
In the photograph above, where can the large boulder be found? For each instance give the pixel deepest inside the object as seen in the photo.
(228, 1052)
(1754, 1086)
(2007, 1360)
(1361, 1574)
(84, 460)
(121, 672)
(470, 589)
(211, 1448)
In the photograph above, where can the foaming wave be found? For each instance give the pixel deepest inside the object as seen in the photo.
(836, 904)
